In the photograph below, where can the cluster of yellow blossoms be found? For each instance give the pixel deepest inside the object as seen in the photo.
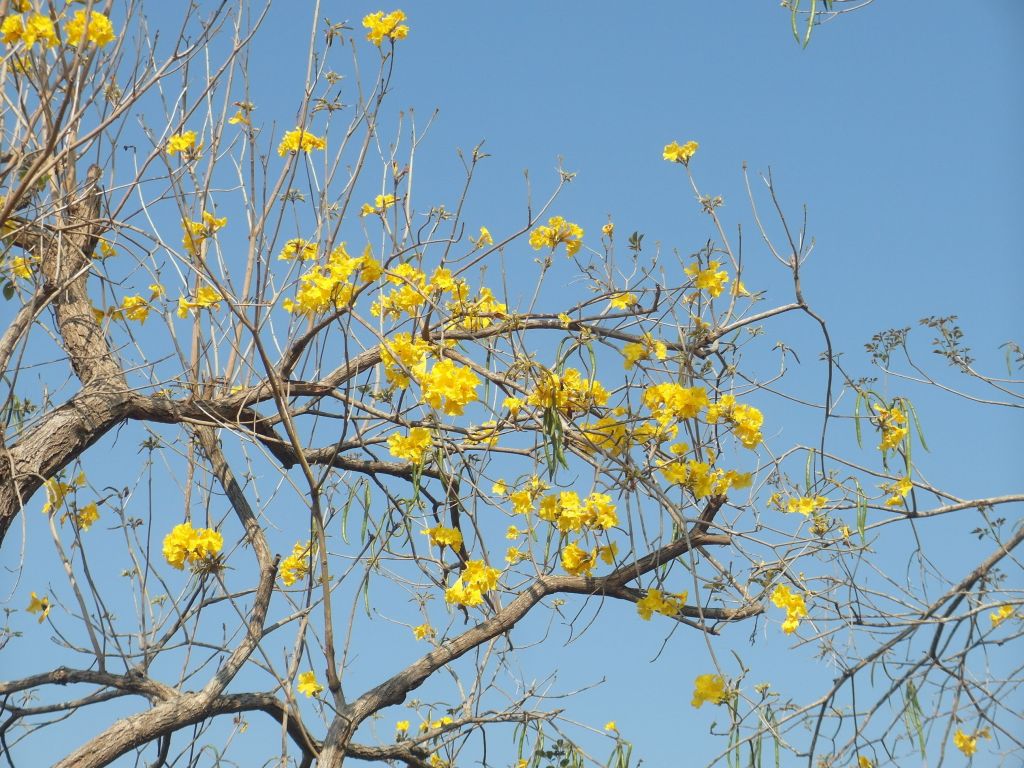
(968, 743)
(412, 447)
(616, 434)
(308, 684)
(680, 153)
(657, 602)
(37, 28)
(380, 205)
(181, 142)
(710, 689)
(57, 493)
(892, 422)
(746, 420)
(381, 25)
(647, 348)
(448, 387)
(205, 298)
(710, 279)
(300, 141)
(557, 231)
(476, 580)
(330, 285)
(794, 604)
(442, 536)
(297, 565)
(1000, 615)
(898, 491)
(196, 232)
(806, 505)
(567, 392)
(699, 478)
(196, 546)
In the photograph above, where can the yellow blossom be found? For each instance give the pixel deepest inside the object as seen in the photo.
(37, 28)
(21, 267)
(473, 583)
(57, 491)
(40, 605)
(655, 601)
(708, 688)
(449, 387)
(610, 726)
(86, 516)
(794, 604)
(806, 505)
(898, 491)
(297, 248)
(412, 447)
(440, 536)
(557, 230)
(181, 142)
(205, 298)
(711, 279)
(96, 29)
(196, 546)
(484, 239)
(577, 561)
(1000, 615)
(308, 684)
(499, 488)
(402, 726)
(680, 153)
(622, 300)
(608, 229)
(673, 402)
(966, 743)
(381, 25)
(297, 565)
(892, 422)
(380, 204)
(864, 762)
(421, 632)
(300, 141)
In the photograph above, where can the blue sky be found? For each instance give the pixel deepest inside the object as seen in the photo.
(898, 128)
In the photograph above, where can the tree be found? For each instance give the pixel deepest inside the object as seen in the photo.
(347, 431)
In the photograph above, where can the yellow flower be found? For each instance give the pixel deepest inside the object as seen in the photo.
(806, 505)
(36, 29)
(300, 141)
(196, 546)
(708, 688)
(891, 421)
(711, 279)
(421, 632)
(449, 387)
(308, 684)
(608, 229)
(997, 617)
(674, 402)
(440, 536)
(513, 533)
(473, 583)
(412, 447)
(87, 515)
(794, 604)
(899, 491)
(298, 248)
(97, 29)
(380, 204)
(205, 298)
(381, 25)
(499, 488)
(676, 153)
(864, 762)
(622, 301)
(133, 308)
(21, 267)
(485, 238)
(657, 602)
(402, 726)
(181, 142)
(57, 491)
(40, 605)
(558, 230)
(610, 726)
(577, 561)
(297, 565)
(965, 743)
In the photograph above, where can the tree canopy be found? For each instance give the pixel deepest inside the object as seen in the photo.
(302, 465)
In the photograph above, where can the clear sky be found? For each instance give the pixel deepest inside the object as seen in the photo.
(898, 129)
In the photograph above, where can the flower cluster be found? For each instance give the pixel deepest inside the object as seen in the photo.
(700, 479)
(196, 546)
(1000, 615)
(565, 511)
(673, 402)
(746, 420)
(441, 536)
(558, 230)
(180, 142)
(403, 354)
(297, 248)
(711, 279)
(421, 632)
(708, 688)
(198, 231)
(205, 298)
(37, 28)
(680, 153)
(134, 307)
(567, 392)
(647, 348)
(300, 141)
(308, 684)
(381, 25)
(898, 491)
(892, 422)
(297, 565)
(57, 491)
(806, 505)
(968, 743)
(40, 605)
(473, 583)
(412, 447)
(794, 604)
(380, 204)
(657, 602)
(449, 387)
(476, 315)
(330, 285)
